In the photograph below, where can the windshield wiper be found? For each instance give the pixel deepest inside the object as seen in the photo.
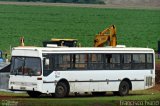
(14, 71)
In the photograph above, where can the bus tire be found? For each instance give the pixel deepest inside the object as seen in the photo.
(123, 88)
(61, 90)
(34, 94)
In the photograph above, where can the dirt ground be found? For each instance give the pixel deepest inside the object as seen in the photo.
(156, 87)
(140, 4)
(158, 73)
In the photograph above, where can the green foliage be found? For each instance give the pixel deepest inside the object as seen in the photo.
(63, 1)
(82, 100)
(135, 27)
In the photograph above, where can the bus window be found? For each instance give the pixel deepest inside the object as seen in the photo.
(64, 62)
(115, 62)
(107, 58)
(126, 60)
(149, 61)
(96, 62)
(17, 65)
(32, 66)
(80, 62)
(138, 61)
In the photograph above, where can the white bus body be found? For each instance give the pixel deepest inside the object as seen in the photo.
(61, 71)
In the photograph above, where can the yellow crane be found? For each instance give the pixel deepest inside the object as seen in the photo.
(106, 36)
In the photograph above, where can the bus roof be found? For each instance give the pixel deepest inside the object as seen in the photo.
(87, 49)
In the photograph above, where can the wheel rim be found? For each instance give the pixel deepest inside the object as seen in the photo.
(60, 90)
(124, 89)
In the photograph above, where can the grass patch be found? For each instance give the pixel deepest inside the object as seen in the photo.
(135, 27)
(82, 100)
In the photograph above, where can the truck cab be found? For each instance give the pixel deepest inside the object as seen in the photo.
(61, 42)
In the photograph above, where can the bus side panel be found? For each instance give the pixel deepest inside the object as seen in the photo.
(109, 86)
(102, 82)
(49, 84)
(85, 81)
(97, 80)
(81, 87)
(137, 85)
(48, 87)
(136, 77)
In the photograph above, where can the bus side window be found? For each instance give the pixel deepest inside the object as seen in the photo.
(96, 62)
(138, 61)
(62, 62)
(107, 60)
(149, 64)
(81, 61)
(115, 62)
(126, 60)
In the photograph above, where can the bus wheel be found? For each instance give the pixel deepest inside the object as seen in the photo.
(123, 88)
(33, 94)
(61, 90)
(98, 93)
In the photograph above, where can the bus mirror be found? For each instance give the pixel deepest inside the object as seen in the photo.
(46, 61)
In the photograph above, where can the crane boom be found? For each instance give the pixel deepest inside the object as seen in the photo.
(106, 36)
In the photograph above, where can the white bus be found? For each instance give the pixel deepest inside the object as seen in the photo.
(61, 71)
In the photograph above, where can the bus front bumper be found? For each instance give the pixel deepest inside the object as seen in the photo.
(23, 86)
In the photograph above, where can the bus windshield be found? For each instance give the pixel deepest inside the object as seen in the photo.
(28, 66)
